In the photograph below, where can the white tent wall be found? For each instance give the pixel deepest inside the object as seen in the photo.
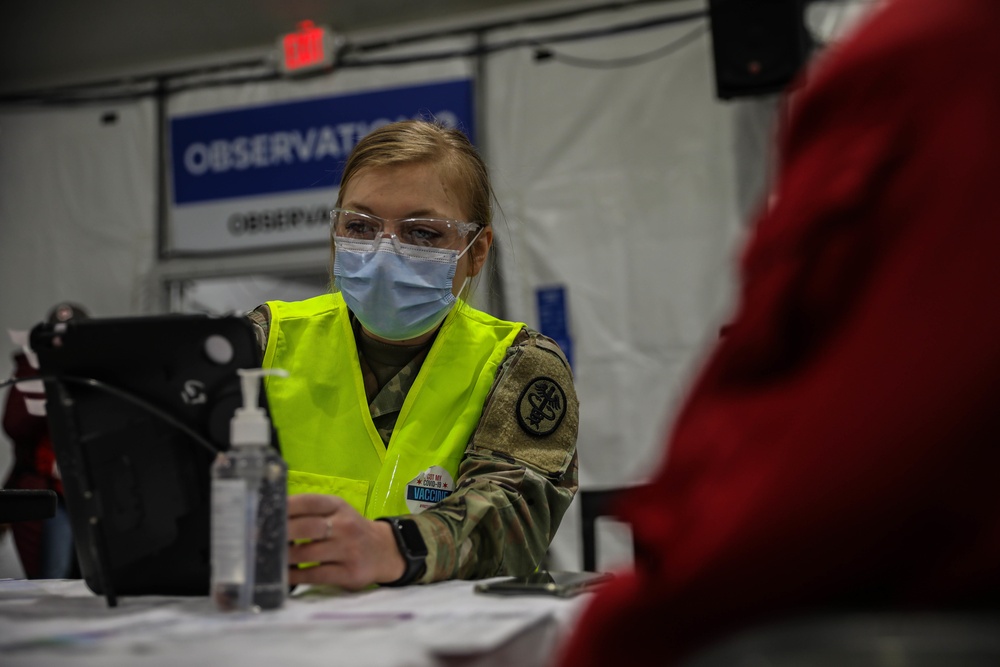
(77, 210)
(628, 185)
(77, 213)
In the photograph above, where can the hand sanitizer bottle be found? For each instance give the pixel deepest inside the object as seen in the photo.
(249, 510)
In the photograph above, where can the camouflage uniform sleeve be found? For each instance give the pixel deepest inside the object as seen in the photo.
(519, 473)
(260, 318)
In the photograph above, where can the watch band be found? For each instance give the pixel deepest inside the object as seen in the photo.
(411, 547)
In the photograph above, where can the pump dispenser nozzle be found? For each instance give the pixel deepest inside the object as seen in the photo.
(250, 424)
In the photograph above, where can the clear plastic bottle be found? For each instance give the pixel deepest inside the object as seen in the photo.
(249, 511)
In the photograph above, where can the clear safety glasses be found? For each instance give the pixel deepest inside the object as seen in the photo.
(421, 232)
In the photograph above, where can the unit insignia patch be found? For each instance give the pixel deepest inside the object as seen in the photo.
(541, 407)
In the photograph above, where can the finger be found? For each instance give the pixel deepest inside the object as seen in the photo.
(313, 503)
(327, 573)
(324, 551)
(312, 527)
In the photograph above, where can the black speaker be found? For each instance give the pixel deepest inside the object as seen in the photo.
(758, 45)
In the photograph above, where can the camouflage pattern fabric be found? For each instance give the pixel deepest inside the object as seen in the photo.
(520, 470)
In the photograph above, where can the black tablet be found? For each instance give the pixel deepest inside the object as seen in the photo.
(138, 408)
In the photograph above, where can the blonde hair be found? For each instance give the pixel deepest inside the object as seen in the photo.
(418, 141)
(425, 142)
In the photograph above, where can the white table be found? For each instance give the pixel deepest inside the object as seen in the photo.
(60, 622)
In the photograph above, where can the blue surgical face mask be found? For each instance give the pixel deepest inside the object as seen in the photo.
(397, 291)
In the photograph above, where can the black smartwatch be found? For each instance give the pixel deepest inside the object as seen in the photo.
(411, 548)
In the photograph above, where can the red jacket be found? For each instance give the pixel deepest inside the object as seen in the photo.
(842, 447)
(34, 457)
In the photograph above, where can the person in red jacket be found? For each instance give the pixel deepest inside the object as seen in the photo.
(45, 548)
(841, 448)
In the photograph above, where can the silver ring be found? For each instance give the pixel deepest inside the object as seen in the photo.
(328, 522)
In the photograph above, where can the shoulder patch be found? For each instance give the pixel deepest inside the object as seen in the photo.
(532, 414)
(541, 407)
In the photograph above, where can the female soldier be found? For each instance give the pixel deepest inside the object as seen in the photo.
(425, 440)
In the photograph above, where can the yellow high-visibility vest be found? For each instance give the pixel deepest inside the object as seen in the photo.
(321, 414)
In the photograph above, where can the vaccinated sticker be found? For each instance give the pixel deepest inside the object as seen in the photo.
(428, 488)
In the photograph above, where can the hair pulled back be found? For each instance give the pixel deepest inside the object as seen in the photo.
(427, 142)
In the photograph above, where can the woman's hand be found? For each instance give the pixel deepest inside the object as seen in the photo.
(351, 551)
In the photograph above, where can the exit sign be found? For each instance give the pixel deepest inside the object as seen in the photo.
(308, 49)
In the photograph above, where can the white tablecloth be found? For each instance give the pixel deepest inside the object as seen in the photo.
(62, 623)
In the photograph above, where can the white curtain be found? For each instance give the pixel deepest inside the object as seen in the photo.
(620, 184)
(77, 210)
(77, 215)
